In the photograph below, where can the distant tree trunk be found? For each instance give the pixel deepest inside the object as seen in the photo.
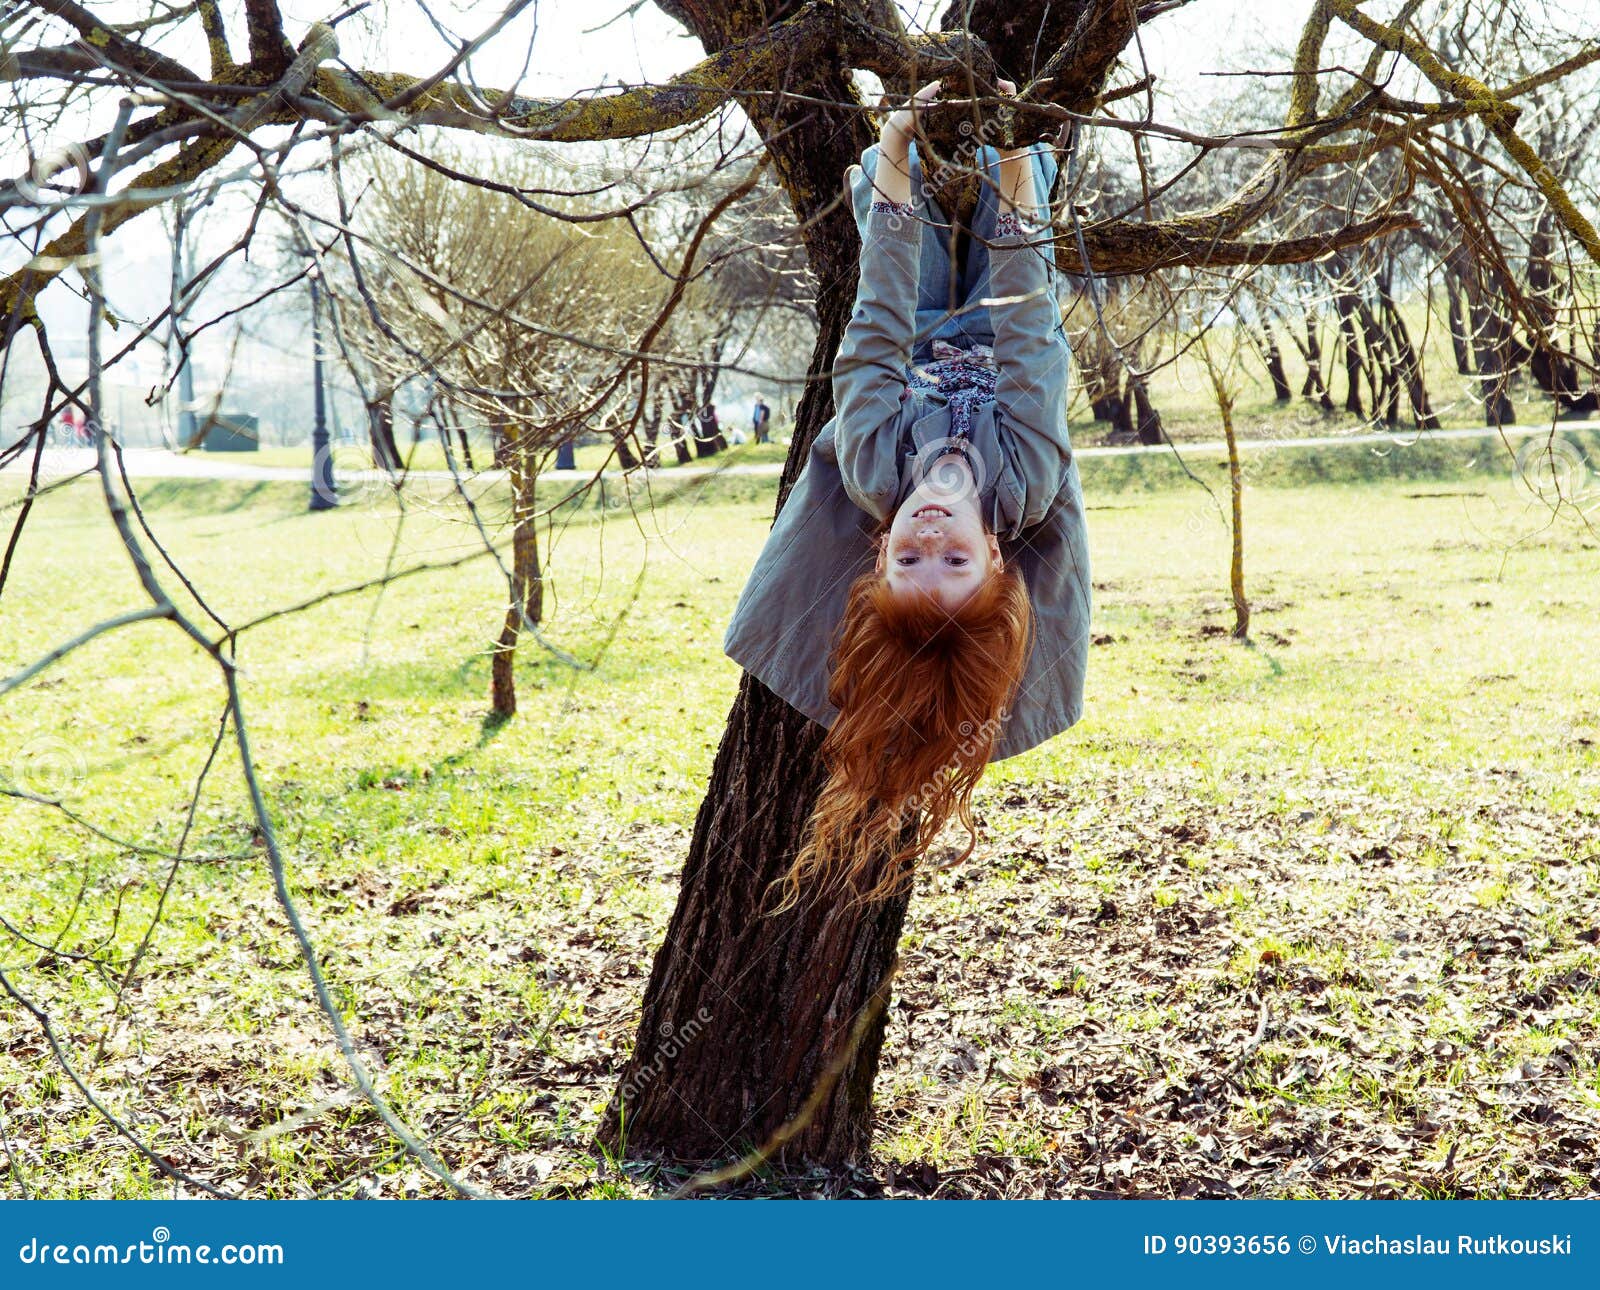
(1241, 603)
(1410, 365)
(1345, 303)
(527, 587)
(1554, 370)
(1122, 414)
(708, 439)
(463, 443)
(380, 419)
(1150, 430)
(652, 429)
(1102, 383)
(1311, 351)
(1225, 400)
(1383, 371)
(1460, 341)
(500, 436)
(1489, 331)
(682, 418)
(1273, 357)
(625, 457)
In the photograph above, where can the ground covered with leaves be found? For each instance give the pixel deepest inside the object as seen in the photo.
(1313, 916)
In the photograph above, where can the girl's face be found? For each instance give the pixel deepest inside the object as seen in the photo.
(936, 544)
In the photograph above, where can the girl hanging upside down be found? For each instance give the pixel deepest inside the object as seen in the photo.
(924, 592)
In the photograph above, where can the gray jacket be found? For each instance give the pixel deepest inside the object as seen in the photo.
(861, 466)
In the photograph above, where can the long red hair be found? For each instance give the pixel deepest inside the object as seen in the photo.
(921, 692)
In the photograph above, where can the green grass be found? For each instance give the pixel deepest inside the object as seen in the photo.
(486, 897)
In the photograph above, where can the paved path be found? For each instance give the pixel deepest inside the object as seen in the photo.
(157, 463)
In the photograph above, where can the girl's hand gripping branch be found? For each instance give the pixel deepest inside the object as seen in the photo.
(892, 177)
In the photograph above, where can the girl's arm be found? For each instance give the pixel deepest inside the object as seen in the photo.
(869, 371)
(1033, 361)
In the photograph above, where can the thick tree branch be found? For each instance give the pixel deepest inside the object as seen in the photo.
(117, 48)
(1125, 247)
(269, 47)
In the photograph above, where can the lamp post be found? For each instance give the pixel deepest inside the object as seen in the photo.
(324, 492)
(182, 275)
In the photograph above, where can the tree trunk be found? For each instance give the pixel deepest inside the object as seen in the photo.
(1410, 364)
(527, 584)
(380, 419)
(652, 430)
(1553, 369)
(1241, 603)
(1494, 367)
(625, 454)
(745, 1014)
(708, 440)
(1345, 303)
(1273, 357)
(1459, 340)
(682, 419)
(1150, 430)
(1102, 381)
(1122, 415)
(1315, 382)
(1383, 369)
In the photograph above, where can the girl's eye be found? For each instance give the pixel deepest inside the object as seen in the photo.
(956, 561)
(906, 560)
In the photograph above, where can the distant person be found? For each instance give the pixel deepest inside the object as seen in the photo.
(760, 416)
(76, 426)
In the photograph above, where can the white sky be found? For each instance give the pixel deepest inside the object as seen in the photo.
(573, 47)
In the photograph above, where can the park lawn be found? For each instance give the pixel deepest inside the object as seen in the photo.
(1314, 916)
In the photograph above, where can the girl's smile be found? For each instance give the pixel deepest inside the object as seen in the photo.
(939, 548)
